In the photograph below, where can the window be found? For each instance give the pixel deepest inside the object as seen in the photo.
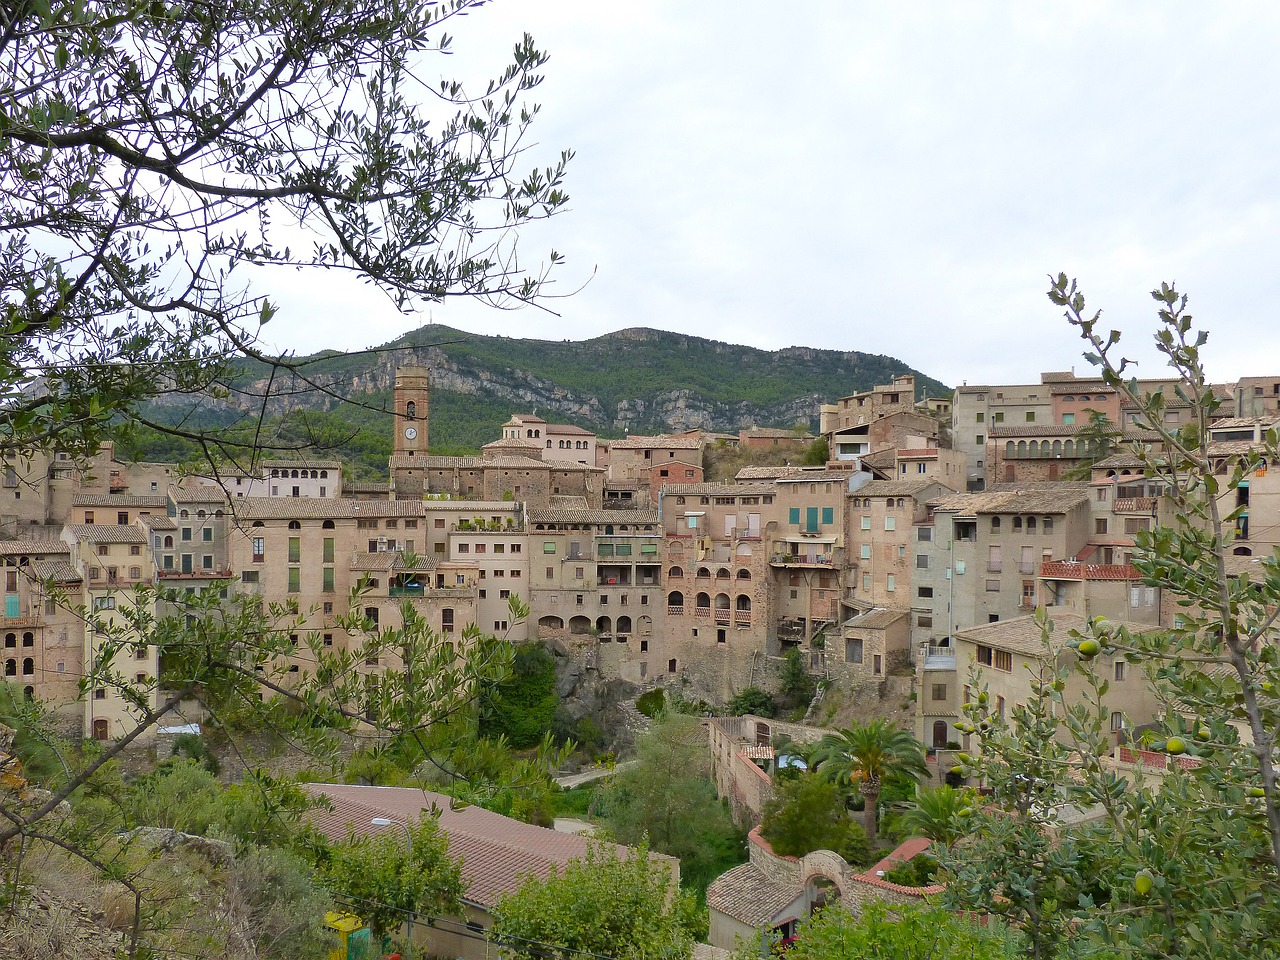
(465, 548)
(1046, 525)
(295, 549)
(979, 439)
(889, 583)
(515, 548)
(981, 416)
(135, 551)
(328, 550)
(939, 691)
(207, 534)
(549, 546)
(1031, 416)
(249, 576)
(206, 561)
(877, 664)
(1068, 419)
(866, 551)
(922, 561)
(259, 549)
(994, 561)
(328, 580)
(866, 523)
(866, 581)
(997, 418)
(828, 515)
(1003, 660)
(186, 533)
(853, 650)
(295, 580)
(1100, 525)
(890, 523)
(993, 586)
(1120, 670)
(924, 620)
(1117, 721)
(793, 516)
(551, 572)
(924, 593)
(924, 535)
(446, 620)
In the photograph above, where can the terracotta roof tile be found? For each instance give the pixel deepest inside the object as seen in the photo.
(660, 442)
(719, 489)
(117, 500)
(301, 508)
(597, 517)
(59, 571)
(1029, 499)
(748, 895)
(106, 533)
(764, 473)
(896, 488)
(878, 618)
(497, 852)
(11, 548)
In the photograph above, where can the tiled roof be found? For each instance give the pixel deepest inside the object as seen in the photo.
(894, 488)
(299, 464)
(764, 473)
(200, 493)
(485, 463)
(518, 444)
(1067, 570)
(816, 476)
(59, 571)
(10, 548)
(568, 430)
(877, 618)
(719, 489)
(366, 486)
(918, 454)
(749, 896)
(106, 533)
(596, 517)
(388, 560)
(159, 521)
(661, 442)
(779, 433)
(301, 508)
(1119, 460)
(1021, 635)
(1232, 448)
(1240, 423)
(117, 500)
(497, 853)
(1035, 430)
(1028, 499)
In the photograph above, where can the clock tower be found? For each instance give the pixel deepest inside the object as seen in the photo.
(409, 406)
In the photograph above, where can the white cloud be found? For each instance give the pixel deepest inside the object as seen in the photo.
(894, 178)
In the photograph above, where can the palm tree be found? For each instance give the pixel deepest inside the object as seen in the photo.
(870, 752)
(942, 814)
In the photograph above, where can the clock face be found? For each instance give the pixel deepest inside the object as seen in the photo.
(410, 433)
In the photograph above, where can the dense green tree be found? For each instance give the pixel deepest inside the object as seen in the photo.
(868, 754)
(392, 875)
(880, 932)
(604, 904)
(943, 814)
(807, 813)
(522, 707)
(668, 797)
(1185, 864)
(152, 153)
(752, 700)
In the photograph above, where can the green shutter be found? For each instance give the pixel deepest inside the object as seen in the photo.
(295, 580)
(328, 549)
(328, 579)
(828, 515)
(295, 549)
(811, 519)
(794, 517)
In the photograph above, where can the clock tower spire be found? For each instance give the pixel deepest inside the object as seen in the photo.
(409, 405)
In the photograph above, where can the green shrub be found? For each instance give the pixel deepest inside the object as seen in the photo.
(752, 700)
(652, 703)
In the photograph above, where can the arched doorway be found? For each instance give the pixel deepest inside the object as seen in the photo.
(939, 733)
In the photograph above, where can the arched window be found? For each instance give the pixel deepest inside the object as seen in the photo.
(1068, 399)
(1031, 523)
(744, 575)
(579, 625)
(1008, 450)
(28, 666)
(1057, 448)
(743, 603)
(257, 523)
(410, 409)
(995, 524)
(624, 625)
(722, 573)
(675, 599)
(722, 601)
(1069, 448)
(604, 625)
(168, 543)
(11, 668)
(327, 525)
(324, 474)
(28, 639)
(703, 601)
(275, 471)
(675, 573)
(185, 515)
(704, 572)
(315, 474)
(548, 444)
(200, 514)
(28, 693)
(1022, 449)
(10, 639)
(294, 525)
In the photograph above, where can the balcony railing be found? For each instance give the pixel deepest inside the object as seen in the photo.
(675, 611)
(722, 616)
(939, 658)
(742, 618)
(702, 612)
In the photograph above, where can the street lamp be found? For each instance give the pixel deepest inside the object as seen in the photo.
(387, 822)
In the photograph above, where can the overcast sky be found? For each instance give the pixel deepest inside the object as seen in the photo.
(896, 178)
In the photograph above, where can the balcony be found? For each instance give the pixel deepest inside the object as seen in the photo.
(20, 621)
(407, 590)
(742, 618)
(702, 613)
(675, 611)
(1143, 505)
(800, 560)
(722, 615)
(937, 658)
(1074, 570)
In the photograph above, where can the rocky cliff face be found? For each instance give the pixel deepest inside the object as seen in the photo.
(636, 380)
